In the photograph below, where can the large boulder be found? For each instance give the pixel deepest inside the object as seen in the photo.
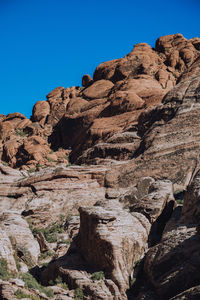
(99, 89)
(40, 112)
(111, 231)
(119, 239)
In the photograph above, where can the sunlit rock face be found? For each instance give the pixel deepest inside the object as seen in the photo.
(99, 190)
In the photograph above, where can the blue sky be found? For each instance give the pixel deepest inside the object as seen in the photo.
(49, 43)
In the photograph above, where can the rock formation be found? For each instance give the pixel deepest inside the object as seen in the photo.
(99, 190)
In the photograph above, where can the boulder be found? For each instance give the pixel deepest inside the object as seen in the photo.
(56, 93)
(35, 148)
(6, 128)
(86, 80)
(102, 228)
(99, 89)
(40, 112)
(120, 240)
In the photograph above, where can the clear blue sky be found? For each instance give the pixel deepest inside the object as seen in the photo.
(49, 43)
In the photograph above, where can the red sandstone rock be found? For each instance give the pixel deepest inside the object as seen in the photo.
(99, 89)
(143, 108)
(40, 112)
(86, 81)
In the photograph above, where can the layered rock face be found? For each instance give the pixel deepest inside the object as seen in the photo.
(169, 139)
(114, 224)
(172, 265)
(99, 121)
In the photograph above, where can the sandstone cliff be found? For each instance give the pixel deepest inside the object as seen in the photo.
(99, 190)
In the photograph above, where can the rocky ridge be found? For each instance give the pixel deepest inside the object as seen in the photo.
(122, 152)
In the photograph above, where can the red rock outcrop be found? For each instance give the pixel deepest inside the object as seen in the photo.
(40, 112)
(136, 126)
(146, 75)
(169, 139)
(85, 120)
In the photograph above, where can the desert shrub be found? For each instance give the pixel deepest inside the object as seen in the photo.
(20, 132)
(4, 273)
(66, 242)
(18, 266)
(17, 260)
(79, 294)
(68, 218)
(31, 170)
(51, 282)
(48, 292)
(50, 232)
(64, 286)
(46, 254)
(45, 264)
(62, 218)
(21, 295)
(31, 283)
(98, 275)
(59, 281)
(50, 159)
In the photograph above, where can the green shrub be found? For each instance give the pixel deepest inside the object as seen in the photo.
(18, 266)
(50, 232)
(62, 217)
(32, 170)
(79, 294)
(64, 286)
(20, 132)
(59, 281)
(98, 275)
(66, 242)
(51, 237)
(51, 282)
(68, 218)
(179, 201)
(45, 264)
(46, 254)
(4, 273)
(50, 159)
(21, 295)
(31, 283)
(49, 292)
